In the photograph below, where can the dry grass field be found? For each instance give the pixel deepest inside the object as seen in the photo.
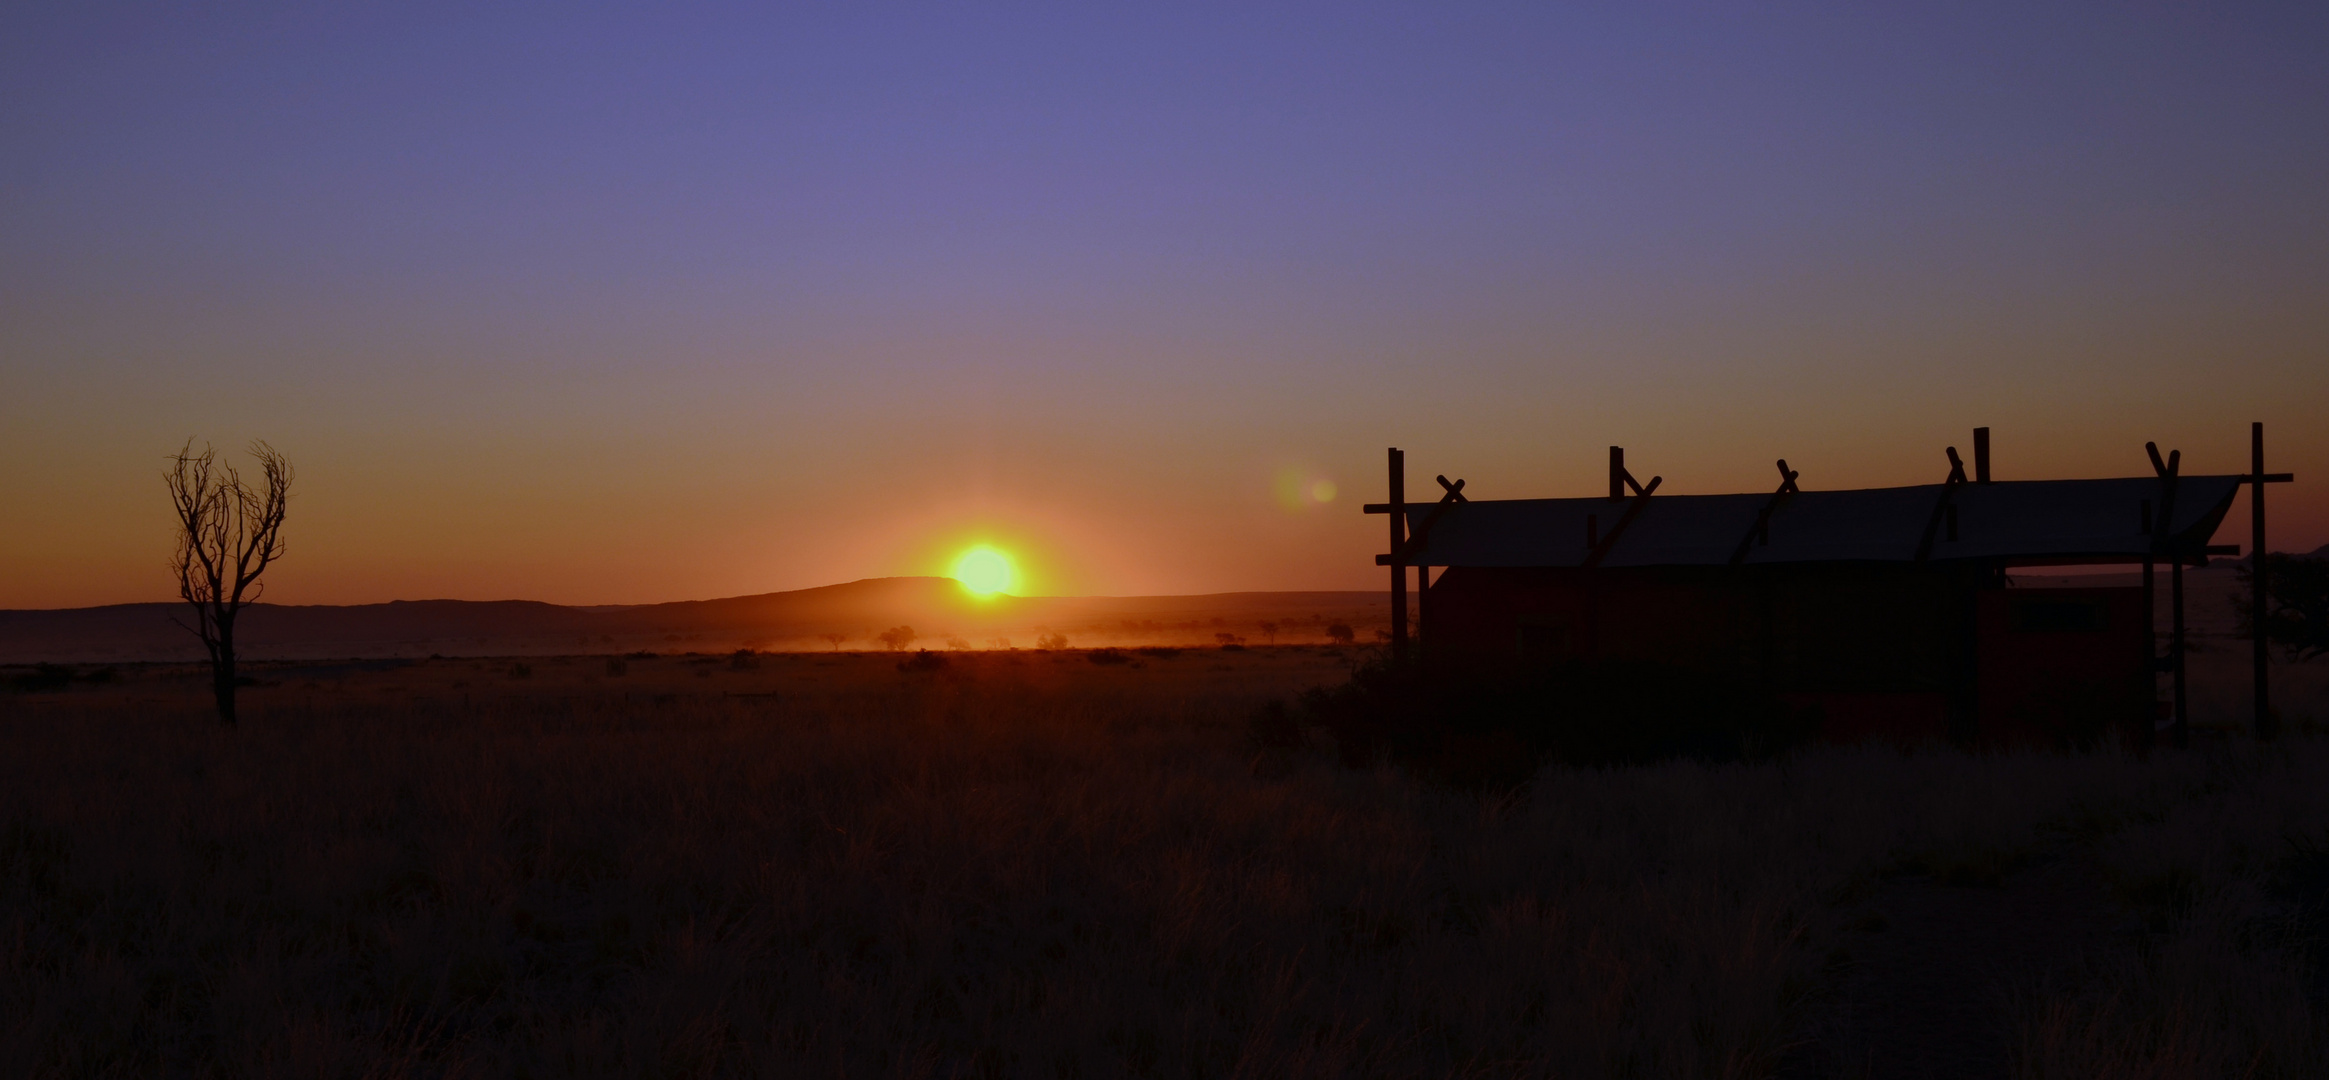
(1033, 864)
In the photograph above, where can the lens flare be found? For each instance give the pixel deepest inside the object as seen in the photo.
(984, 570)
(1323, 491)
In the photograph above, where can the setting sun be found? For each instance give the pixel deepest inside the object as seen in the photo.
(984, 570)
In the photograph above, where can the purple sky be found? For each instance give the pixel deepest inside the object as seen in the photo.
(602, 304)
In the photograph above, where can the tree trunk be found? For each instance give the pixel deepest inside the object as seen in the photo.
(222, 672)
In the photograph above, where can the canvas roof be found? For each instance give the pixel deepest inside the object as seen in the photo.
(2019, 523)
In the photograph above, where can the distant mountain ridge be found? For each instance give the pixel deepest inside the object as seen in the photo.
(936, 607)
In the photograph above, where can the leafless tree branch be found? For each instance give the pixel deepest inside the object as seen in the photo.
(229, 532)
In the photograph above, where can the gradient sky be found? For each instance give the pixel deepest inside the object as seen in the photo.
(603, 304)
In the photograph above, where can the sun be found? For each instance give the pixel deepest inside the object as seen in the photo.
(985, 570)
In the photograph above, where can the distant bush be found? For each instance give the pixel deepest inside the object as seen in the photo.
(743, 660)
(1340, 633)
(1273, 726)
(43, 678)
(521, 671)
(923, 660)
(896, 637)
(1230, 642)
(1107, 656)
(616, 667)
(1051, 642)
(1273, 734)
(1161, 652)
(1475, 729)
(2297, 612)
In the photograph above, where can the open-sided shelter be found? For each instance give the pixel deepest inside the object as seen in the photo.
(1885, 609)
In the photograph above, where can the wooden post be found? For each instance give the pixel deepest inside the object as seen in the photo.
(1422, 609)
(1398, 541)
(1980, 455)
(1617, 472)
(2260, 569)
(2183, 727)
(2150, 730)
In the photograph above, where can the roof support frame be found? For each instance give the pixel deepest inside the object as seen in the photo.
(1761, 533)
(1941, 506)
(1633, 510)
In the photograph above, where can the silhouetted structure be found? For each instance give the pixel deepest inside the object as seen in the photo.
(1885, 608)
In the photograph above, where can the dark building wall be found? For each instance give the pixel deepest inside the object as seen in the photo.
(1880, 649)
(1842, 628)
(2063, 664)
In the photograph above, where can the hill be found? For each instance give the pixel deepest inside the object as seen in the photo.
(937, 608)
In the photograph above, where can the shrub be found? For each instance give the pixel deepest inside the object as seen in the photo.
(521, 671)
(1476, 729)
(923, 660)
(1107, 656)
(616, 667)
(1051, 642)
(1340, 633)
(41, 679)
(1274, 727)
(2297, 613)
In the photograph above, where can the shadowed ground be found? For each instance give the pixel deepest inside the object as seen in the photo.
(1076, 864)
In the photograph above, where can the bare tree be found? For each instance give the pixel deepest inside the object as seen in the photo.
(229, 532)
(835, 640)
(1270, 631)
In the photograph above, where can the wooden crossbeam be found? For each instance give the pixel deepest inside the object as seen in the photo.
(1761, 533)
(2162, 528)
(1633, 510)
(1941, 505)
(2169, 470)
(1422, 529)
(1455, 489)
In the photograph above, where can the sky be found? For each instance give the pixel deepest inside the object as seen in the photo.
(615, 304)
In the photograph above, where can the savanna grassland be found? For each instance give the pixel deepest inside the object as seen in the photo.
(1033, 864)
